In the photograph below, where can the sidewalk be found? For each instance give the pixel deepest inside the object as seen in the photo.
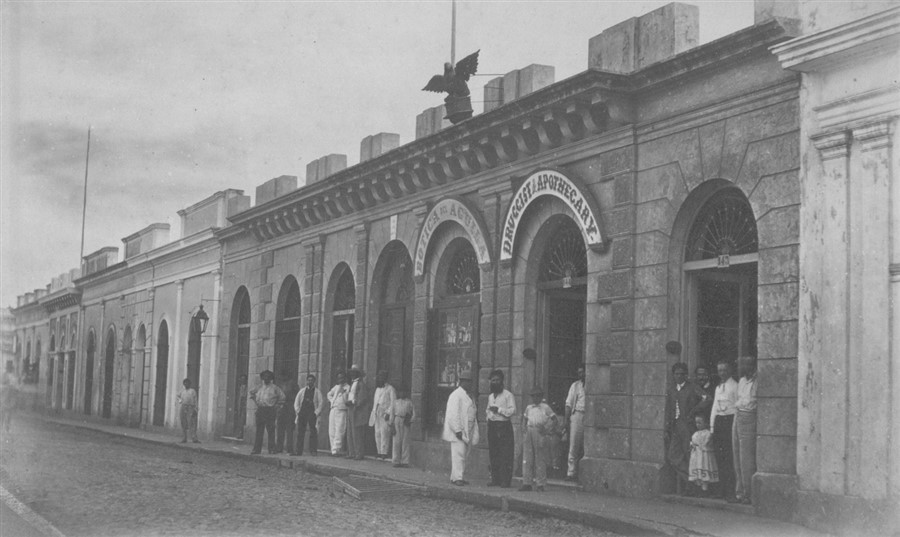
(626, 516)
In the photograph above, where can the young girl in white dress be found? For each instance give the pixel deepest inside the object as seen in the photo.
(703, 469)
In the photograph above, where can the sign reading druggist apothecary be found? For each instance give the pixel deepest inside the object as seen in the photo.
(550, 182)
(455, 210)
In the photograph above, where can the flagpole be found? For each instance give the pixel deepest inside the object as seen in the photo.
(453, 36)
(87, 160)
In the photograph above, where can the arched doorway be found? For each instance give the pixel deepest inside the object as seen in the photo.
(562, 295)
(36, 363)
(109, 369)
(343, 311)
(162, 375)
(720, 268)
(240, 361)
(453, 327)
(287, 332)
(89, 372)
(50, 370)
(58, 401)
(141, 380)
(394, 296)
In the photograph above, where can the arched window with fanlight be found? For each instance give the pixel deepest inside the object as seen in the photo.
(720, 266)
(287, 332)
(454, 324)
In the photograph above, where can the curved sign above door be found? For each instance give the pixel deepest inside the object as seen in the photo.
(455, 210)
(550, 182)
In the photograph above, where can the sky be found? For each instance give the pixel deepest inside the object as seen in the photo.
(188, 98)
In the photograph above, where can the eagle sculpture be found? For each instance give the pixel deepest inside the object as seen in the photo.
(454, 83)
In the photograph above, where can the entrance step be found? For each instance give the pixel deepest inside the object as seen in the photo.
(710, 503)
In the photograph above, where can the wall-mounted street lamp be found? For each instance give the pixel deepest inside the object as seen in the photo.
(202, 319)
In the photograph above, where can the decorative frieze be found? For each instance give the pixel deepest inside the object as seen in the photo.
(832, 145)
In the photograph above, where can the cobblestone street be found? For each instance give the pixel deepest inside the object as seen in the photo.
(88, 483)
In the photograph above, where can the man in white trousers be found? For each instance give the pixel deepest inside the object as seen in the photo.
(460, 427)
(381, 409)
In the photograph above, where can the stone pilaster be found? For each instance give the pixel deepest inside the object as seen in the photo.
(362, 285)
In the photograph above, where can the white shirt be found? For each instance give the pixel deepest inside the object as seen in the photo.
(723, 402)
(317, 400)
(746, 394)
(460, 418)
(575, 400)
(337, 396)
(384, 398)
(505, 403)
(187, 397)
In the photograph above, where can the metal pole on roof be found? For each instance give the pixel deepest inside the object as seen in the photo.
(453, 36)
(87, 160)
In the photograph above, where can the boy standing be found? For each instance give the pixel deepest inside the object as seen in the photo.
(187, 398)
(401, 415)
(539, 424)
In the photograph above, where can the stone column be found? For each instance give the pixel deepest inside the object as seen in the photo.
(869, 331)
(824, 338)
(359, 317)
(212, 352)
(175, 362)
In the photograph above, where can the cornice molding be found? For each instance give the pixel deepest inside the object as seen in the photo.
(874, 135)
(832, 145)
(835, 47)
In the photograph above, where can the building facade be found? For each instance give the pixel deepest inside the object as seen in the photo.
(672, 203)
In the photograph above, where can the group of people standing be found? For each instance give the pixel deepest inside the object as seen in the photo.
(283, 412)
(711, 430)
(539, 424)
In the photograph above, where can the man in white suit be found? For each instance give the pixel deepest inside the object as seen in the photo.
(460, 427)
(381, 409)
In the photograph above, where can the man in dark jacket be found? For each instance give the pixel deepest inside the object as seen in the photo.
(681, 401)
(360, 404)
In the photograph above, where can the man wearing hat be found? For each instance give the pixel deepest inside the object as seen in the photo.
(460, 427)
(539, 423)
(501, 406)
(268, 398)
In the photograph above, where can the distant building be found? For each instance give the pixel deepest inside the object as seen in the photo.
(673, 202)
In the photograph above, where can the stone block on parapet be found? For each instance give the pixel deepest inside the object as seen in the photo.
(237, 204)
(764, 10)
(535, 77)
(377, 144)
(274, 188)
(430, 121)
(493, 94)
(510, 86)
(640, 41)
(330, 165)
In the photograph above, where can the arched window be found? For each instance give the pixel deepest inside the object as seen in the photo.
(565, 259)
(239, 365)
(162, 375)
(89, 372)
(343, 312)
(141, 373)
(464, 274)
(720, 262)
(109, 369)
(287, 332)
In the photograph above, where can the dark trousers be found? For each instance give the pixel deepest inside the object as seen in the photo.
(307, 418)
(502, 447)
(284, 432)
(265, 420)
(724, 455)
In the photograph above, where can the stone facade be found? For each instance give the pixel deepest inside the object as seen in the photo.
(435, 256)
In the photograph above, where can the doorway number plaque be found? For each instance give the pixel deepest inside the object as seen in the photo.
(724, 261)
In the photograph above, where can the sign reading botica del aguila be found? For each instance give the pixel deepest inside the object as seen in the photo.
(548, 182)
(456, 210)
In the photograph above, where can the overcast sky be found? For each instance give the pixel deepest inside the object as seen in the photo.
(188, 98)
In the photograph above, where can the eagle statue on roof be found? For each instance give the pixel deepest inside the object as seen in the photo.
(454, 83)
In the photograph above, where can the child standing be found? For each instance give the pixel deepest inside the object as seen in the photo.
(703, 469)
(539, 424)
(401, 415)
(187, 398)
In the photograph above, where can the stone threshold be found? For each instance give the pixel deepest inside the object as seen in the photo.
(709, 503)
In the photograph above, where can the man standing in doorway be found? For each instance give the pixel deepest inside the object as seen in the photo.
(460, 427)
(308, 406)
(187, 400)
(575, 421)
(743, 438)
(359, 404)
(501, 441)
(268, 399)
(682, 399)
(286, 421)
(721, 423)
(381, 410)
(337, 417)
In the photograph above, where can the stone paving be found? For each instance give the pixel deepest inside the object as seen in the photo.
(89, 483)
